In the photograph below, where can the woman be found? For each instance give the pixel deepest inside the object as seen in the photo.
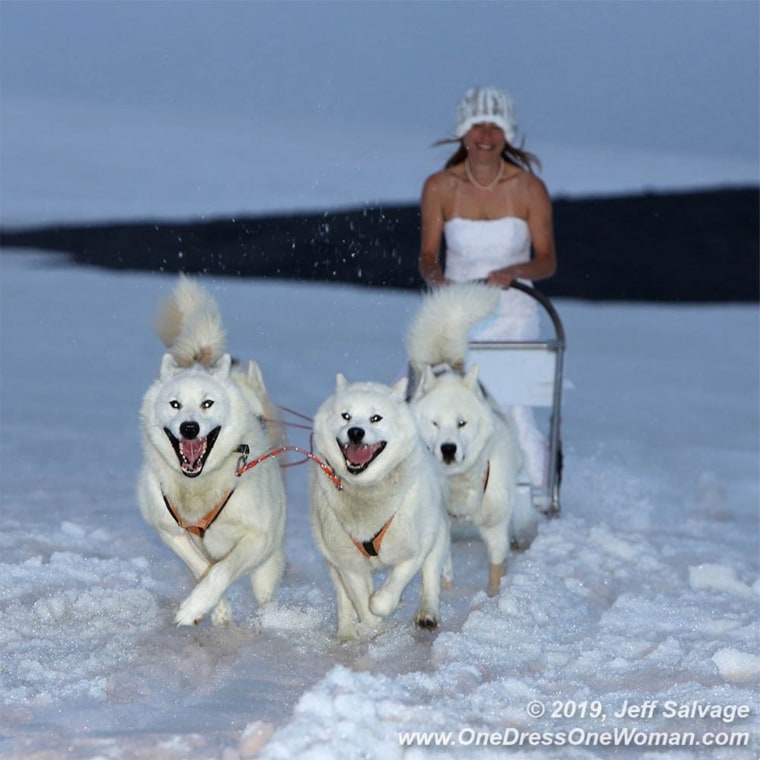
(493, 212)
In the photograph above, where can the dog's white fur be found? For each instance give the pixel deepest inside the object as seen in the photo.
(439, 333)
(401, 481)
(462, 426)
(197, 394)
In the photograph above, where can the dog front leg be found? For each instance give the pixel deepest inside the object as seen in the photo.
(353, 589)
(385, 600)
(496, 539)
(267, 576)
(347, 617)
(447, 571)
(246, 554)
(428, 612)
(198, 565)
(185, 548)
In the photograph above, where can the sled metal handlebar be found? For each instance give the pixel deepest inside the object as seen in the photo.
(558, 346)
(548, 306)
(546, 303)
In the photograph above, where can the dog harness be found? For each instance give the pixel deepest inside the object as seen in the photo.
(244, 465)
(371, 548)
(198, 528)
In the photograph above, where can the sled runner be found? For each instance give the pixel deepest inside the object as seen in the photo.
(529, 373)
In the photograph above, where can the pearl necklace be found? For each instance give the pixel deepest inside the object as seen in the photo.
(491, 185)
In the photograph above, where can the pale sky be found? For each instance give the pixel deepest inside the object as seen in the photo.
(667, 75)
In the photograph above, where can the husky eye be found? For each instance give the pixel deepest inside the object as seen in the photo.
(207, 404)
(174, 404)
(375, 418)
(461, 423)
(346, 416)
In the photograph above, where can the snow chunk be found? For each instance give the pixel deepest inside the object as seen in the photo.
(717, 578)
(254, 737)
(737, 667)
(602, 536)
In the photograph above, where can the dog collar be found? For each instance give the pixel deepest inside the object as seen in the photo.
(198, 528)
(371, 548)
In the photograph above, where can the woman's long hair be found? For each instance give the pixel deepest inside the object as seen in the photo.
(512, 155)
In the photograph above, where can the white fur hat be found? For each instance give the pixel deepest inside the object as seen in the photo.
(487, 104)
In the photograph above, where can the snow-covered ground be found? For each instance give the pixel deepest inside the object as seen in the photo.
(645, 589)
(641, 600)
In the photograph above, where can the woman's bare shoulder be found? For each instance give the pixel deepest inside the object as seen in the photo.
(535, 184)
(442, 181)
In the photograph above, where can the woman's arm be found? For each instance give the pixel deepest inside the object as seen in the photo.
(539, 218)
(431, 215)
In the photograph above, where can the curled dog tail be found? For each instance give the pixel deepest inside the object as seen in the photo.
(440, 331)
(190, 326)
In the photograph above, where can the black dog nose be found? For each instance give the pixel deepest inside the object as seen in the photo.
(449, 452)
(356, 434)
(189, 429)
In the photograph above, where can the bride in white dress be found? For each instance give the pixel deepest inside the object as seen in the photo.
(495, 215)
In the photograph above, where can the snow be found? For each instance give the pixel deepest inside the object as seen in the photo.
(645, 588)
(635, 610)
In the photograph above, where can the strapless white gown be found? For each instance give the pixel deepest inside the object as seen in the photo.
(474, 248)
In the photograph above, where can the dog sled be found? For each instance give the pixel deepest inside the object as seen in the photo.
(529, 373)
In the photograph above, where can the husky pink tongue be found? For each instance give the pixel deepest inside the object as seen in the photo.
(193, 449)
(359, 453)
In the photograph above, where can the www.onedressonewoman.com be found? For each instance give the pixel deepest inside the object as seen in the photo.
(574, 737)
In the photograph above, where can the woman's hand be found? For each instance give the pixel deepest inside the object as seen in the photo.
(502, 278)
(437, 282)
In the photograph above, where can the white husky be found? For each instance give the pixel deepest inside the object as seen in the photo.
(461, 425)
(389, 511)
(198, 419)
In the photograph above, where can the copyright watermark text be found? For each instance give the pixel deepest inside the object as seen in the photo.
(560, 712)
(645, 710)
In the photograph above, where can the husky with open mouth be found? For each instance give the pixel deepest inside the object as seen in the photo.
(383, 510)
(198, 419)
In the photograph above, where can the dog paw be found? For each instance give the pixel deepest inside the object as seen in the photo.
(424, 619)
(383, 603)
(182, 619)
(347, 634)
(495, 572)
(189, 612)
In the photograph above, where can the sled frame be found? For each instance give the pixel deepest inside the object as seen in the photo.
(543, 362)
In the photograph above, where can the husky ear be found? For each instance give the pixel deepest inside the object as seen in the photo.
(426, 382)
(340, 381)
(222, 366)
(398, 389)
(413, 377)
(169, 368)
(471, 378)
(255, 378)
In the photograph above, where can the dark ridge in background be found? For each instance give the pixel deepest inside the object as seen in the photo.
(690, 247)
